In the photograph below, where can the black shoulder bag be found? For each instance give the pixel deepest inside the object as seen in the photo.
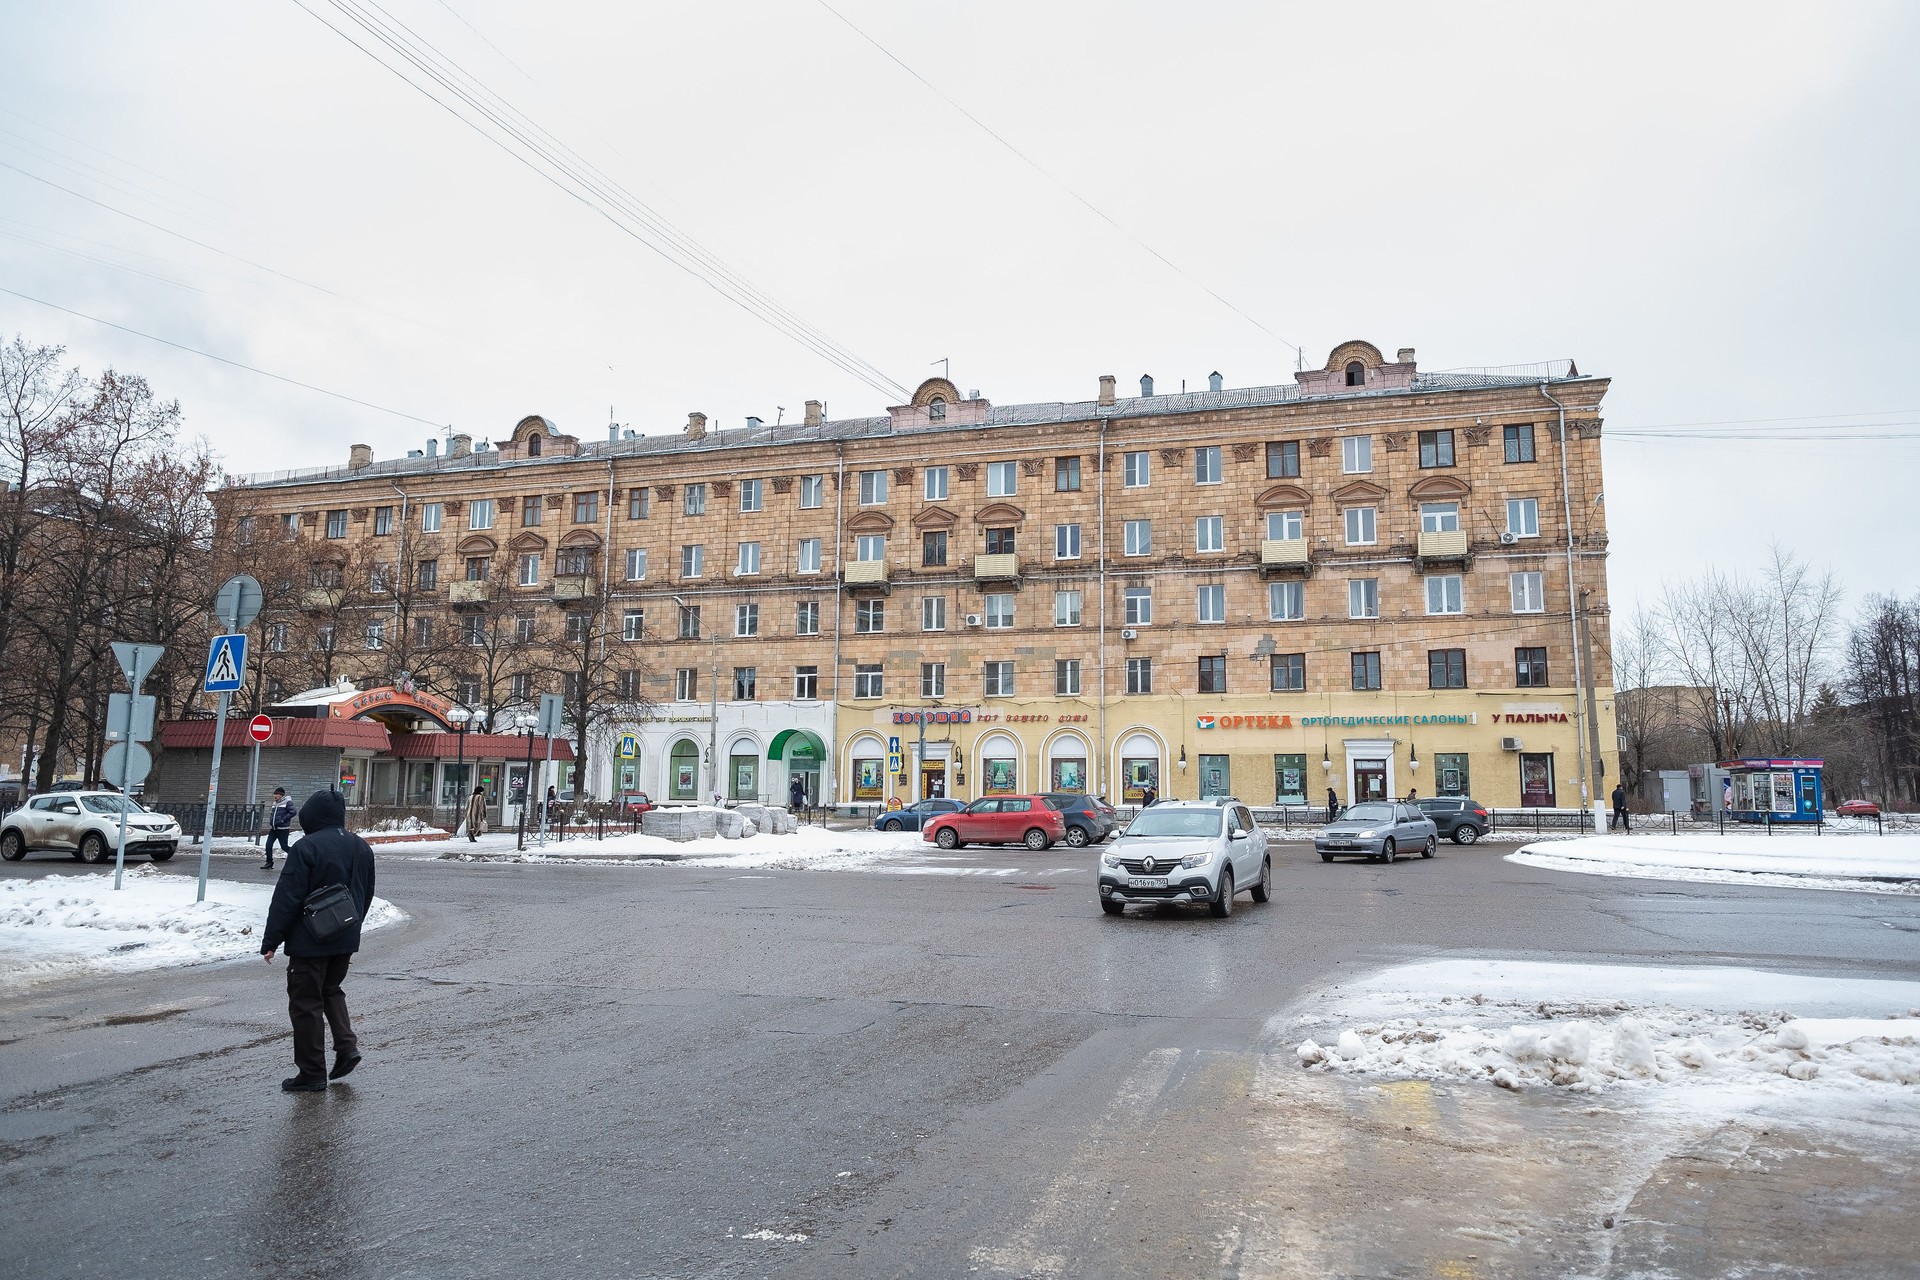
(328, 910)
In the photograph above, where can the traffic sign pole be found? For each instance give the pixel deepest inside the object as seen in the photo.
(213, 790)
(126, 786)
(138, 661)
(253, 784)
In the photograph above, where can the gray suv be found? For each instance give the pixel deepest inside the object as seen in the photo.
(1378, 830)
(1189, 851)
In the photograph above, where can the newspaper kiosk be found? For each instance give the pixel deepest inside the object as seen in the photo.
(1775, 790)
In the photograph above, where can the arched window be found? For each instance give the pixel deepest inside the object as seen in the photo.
(683, 778)
(937, 408)
(1356, 374)
(533, 446)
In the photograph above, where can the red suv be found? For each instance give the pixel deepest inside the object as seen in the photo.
(1027, 820)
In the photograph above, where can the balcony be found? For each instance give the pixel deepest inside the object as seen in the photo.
(321, 599)
(575, 586)
(1434, 548)
(469, 593)
(996, 568)
(866, 573)
(1285, 556)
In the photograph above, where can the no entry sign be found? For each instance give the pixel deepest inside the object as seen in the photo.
(261, 728)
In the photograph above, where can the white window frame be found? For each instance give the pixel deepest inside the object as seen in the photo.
(747, 563)
(997, 611)
(1446, 593)
(813, 491)
(746, 620)
(996, 678)
(1136, 606)
(1066, 677)
(1210, 535)
(529, 570)
(633, 624)
(1068, 609)
(806, 683)
(1363, 597)
(693, 499)
(1439, 517)
(375, 636)
(1529, 591)
(1210, 603)
(480, 513)
(1286, 526)
(430, 515)
(1286, 601)
(869, 680)
(636, 563)
(807, 557)
(1066, 542)
(806, 618)
(933, 613)
(1356, 455)
(935, 483)
(752, 497)
(1132, 545)
(1523, 517)
(933, 679)
(873, 488)
(869, 547)
(1003, 479)
(693, 560)
(1206, 465)
(686, 684)
(1362, 526)
(1140, 675)
(1136, 470)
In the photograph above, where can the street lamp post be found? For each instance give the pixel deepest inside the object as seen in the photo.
(459, 715)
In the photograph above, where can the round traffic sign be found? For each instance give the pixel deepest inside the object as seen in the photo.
(261, 727)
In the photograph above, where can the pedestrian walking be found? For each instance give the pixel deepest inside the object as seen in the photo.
(279, 824)
(1333, 804)
(476, 814)
(326, 855)
(797, 793)
(1149, 796)
(1621, 818)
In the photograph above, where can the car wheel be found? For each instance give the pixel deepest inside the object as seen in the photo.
(1433, 842)
(1264, 888)
(1077, 838)
(1222, 904)
(1037, 839)
(1113, 908)
(891, 824)
(162, 855)
(947, 838)
(12, 847)
(1326, 857)
(1387, 851)
(94, 848)
(1465, 833)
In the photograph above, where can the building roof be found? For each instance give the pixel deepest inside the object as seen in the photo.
(478, 746)
(288, 732)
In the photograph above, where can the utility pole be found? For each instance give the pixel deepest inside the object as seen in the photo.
(1593, 712)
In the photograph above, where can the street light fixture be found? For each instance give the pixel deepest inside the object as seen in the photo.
(525, 723)
(459, 715)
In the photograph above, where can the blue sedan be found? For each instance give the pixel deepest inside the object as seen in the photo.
(915, 815)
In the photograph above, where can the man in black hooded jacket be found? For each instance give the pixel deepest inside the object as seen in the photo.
(327, 854)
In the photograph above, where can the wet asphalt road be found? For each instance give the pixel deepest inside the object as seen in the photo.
(621, 1071)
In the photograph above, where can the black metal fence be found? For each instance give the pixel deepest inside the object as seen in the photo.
(228, 819)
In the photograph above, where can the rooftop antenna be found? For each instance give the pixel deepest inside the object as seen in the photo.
(942, 362)
(780, 414)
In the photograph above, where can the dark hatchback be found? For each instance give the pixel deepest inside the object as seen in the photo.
(1089, 819)
(1460, 820)
(915, 815)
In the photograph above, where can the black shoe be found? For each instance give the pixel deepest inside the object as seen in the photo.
(304, 1084)
(343, 1065)
(268, 867)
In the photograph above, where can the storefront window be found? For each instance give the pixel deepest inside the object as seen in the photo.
(1450, 774)
(453, 784)
(1070, 775)
(683, 778)
(1137, 773)
(420, 784)
(350, 773)
(868, 780)
(1536, 780)
(1215, 778)
(629, 777)
(1000, 775)
(1289, 779)
(743, 772)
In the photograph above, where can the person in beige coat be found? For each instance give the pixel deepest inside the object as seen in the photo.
(476, 813)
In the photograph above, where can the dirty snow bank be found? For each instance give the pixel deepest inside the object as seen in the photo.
(1881, 864)
(65, 925)
(809, 848)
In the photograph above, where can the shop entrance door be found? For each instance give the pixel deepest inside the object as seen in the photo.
(516, 794)
(1369, 780)
(933, 780)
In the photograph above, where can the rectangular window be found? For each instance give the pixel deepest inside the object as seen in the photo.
(1450, 774)
(1000, 542)
(1213, 673)
(636, 563)
(933, 548)
(1523, 517)
(1439, 517)
(869, 547)
(693, 559)
(530, 509)
(868, 681)
(1137, 606)
(1443, 593)
(468, 689)
(1003, 479)
(999, 607)
(934, 484)
(1066, 475)
(808, 559)
(1436, 448)
(1286, 526)
(1287, 672)
(574, 562)
(477, 568)
(336, 524)
(276, 639)
(1286, 601)
(686, 684)
(1139, 675)
(380, 578)
(1529, 592)
(873, 488)
(423, 632)
(1363, 597)
(376, 635)
(933, 613)
(638, 505)
(1066, 608)
(1206, 464)
(323, 639)
(520, 687)
(429, 517)
(806, 683)
(746, 683)
(1066, 677)
(806, 618)
(525, 627)
(382, 522)
(689, 622)
(630, 686)
(748, 562)
(751, 497)
(812, 492)
(427, 575)
(1366, 671)
(1137, 537)
(746, 620)
(998, 680)
(579, 627)
(869, 616)
(480, 513)
(1360, 527)
(633, 624)
(1283, 460)
(1134, 471)
(933, 679)
(586, 507)
(1446, 668)
(1530, 668)
(1066, 542)
(693, 500)
(530, 571)
(1212, 598)
(1356, 454)
(1210, 534)
(1519, 442)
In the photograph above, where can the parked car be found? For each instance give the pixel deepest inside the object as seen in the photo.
(1378, 830)
(1027, 820)
(1858, 809)
(635, 802)
(86, 825)
(1457, 818)
(1187, 851)
(915, 815)
(1089, 819)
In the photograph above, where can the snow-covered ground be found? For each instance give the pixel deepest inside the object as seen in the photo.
(808, 849)
(1882, 864)
(1589, 1028)
(63, 925)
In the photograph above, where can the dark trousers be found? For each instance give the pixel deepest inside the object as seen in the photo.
(315, 1003)
(280, 834)
(1621, 820)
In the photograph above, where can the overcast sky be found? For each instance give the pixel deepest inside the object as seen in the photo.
(1715, 206)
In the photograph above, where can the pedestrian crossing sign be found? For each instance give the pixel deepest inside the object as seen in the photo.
(226, 664)
(629, 746)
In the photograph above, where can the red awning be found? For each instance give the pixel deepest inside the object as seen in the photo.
(479, 746)
(366, 735)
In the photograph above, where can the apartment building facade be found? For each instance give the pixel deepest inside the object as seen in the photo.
(1370, 579)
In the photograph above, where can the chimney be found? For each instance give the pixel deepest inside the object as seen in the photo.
(1214, 380)
(973, 393)
(696, 425)
(358, 456)
(753, 423)
(433, 447)
(1106, 388)
(613, 432)
(816, 413)
(1146, 384)
(1405, 356)
(460, 446)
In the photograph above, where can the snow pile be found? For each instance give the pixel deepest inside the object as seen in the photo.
(64, 925)
(407, 826)
(1520, 1025)
(1882, 864)
(809, 848)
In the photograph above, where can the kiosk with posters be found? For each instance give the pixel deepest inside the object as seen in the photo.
(1775, 790)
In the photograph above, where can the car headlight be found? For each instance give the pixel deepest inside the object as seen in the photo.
(1197, 859)
(1368, 835)
(1108, 860)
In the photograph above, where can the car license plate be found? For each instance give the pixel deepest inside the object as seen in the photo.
(1147, 882)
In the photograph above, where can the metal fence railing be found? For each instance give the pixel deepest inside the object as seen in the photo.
(228, 819)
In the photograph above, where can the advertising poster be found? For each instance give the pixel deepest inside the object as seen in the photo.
(1070, 775)
(867, 779)
(1000, 777)
(1536, 781)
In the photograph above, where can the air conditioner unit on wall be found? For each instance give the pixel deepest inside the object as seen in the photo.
(1511, 744)
(973, 619)
(1129, 634)
(1508, 539)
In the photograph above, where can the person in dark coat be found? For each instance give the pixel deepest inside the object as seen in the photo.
(1333, 803)
(327, 854)
(279, 824)
(797, 793)
(1620, 817)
